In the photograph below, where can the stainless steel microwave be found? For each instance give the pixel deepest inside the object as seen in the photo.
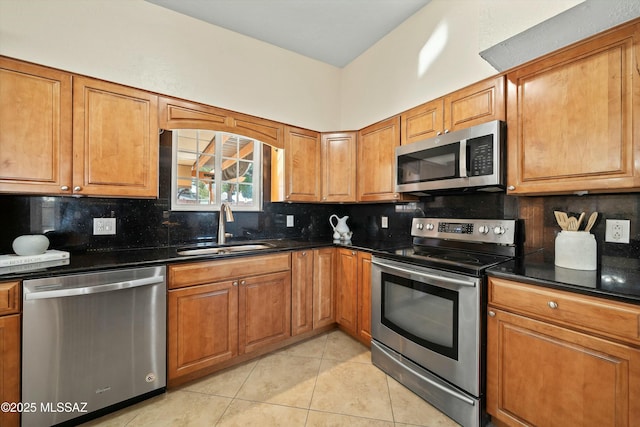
(464, 160)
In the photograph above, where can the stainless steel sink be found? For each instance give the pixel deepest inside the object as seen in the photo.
(212, 250)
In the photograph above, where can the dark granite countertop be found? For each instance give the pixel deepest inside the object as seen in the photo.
(616, 278)
(127, 258)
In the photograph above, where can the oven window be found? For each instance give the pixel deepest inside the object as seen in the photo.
(423, 313)
(430, 165)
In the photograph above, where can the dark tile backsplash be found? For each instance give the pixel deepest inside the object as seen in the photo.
(67, 221)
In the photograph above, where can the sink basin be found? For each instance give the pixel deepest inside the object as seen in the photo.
(212, 250)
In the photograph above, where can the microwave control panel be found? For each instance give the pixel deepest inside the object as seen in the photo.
(480, 155)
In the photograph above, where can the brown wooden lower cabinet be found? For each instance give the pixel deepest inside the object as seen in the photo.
(211, 323)
(353, 293)
(543, 371)
(312, 290)
(10, 367)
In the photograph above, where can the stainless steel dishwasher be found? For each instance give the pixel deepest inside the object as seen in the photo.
(91, 341)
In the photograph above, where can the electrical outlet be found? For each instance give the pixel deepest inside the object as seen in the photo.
(617, 231)
(384, 222)
(104, 226)
(290, 220)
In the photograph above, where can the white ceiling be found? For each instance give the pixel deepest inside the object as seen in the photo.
(331, 31)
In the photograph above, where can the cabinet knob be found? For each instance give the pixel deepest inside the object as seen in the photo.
(77, 188)
(491, 313)
(446, 131)
(552, 304)
(243, 282)
(235, 283)
(64, 188)
(438, 133)
(304, 253)
(511, 188)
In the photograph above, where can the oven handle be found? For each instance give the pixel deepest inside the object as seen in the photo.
(425, 275)
(439, 386)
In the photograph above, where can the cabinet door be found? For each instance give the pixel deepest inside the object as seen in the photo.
(115, 140)
(364, 297)
(264, 310)
(324, 312)
(423, 121)
(10, 367)
(302, 277)
(347, 291)
(573, 117)
(302, 165)
(35, 129)
(203, 327)
(377, 161)
(545, 375)
(479, 103)
(339, 167)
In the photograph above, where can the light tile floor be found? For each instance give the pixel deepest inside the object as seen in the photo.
(325, 381)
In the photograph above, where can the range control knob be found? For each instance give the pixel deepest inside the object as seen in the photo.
(430, 226)
(498, 230)
(483, 229)
(420, 226)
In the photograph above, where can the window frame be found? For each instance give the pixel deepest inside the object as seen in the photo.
(257, 181)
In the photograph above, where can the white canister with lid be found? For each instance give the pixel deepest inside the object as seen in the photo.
(576, 250)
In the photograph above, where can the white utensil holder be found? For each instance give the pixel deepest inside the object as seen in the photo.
(576, 250)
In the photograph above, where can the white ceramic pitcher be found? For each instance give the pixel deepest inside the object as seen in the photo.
(340, 227)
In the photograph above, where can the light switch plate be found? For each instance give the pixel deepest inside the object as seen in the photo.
(290, 220)
(617, 231)
(104, 226)
(384, 222)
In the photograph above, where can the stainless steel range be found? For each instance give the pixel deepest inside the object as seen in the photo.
(428, 308)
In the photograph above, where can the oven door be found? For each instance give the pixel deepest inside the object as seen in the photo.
(431, 317)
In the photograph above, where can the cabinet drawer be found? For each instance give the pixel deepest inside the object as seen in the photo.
(605, 317)
(9, 298)
(194, 273)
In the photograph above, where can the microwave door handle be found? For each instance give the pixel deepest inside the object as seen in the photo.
(463, 158)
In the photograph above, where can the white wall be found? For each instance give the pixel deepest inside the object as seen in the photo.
(143, 45)
(434, 52)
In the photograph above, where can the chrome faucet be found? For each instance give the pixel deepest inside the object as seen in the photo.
(222, 235)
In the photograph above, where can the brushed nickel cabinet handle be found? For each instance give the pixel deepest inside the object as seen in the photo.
(552, 304)
(64, 188)
(511, 188)
(492, 314)
(77, 188)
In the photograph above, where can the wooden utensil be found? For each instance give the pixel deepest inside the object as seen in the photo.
(580, 220)
(591, 221)
(561, 219)
(572, 224)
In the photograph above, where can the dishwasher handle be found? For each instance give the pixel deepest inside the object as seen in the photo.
(87, 290)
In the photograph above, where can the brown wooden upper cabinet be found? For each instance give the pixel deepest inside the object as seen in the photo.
(178, 114)
(479, 103)
(115, 140)
(66, 134)
(35, 129)
(573, 117)
(376, 162)
(338, 166)
(302, 165)
(319, 167)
